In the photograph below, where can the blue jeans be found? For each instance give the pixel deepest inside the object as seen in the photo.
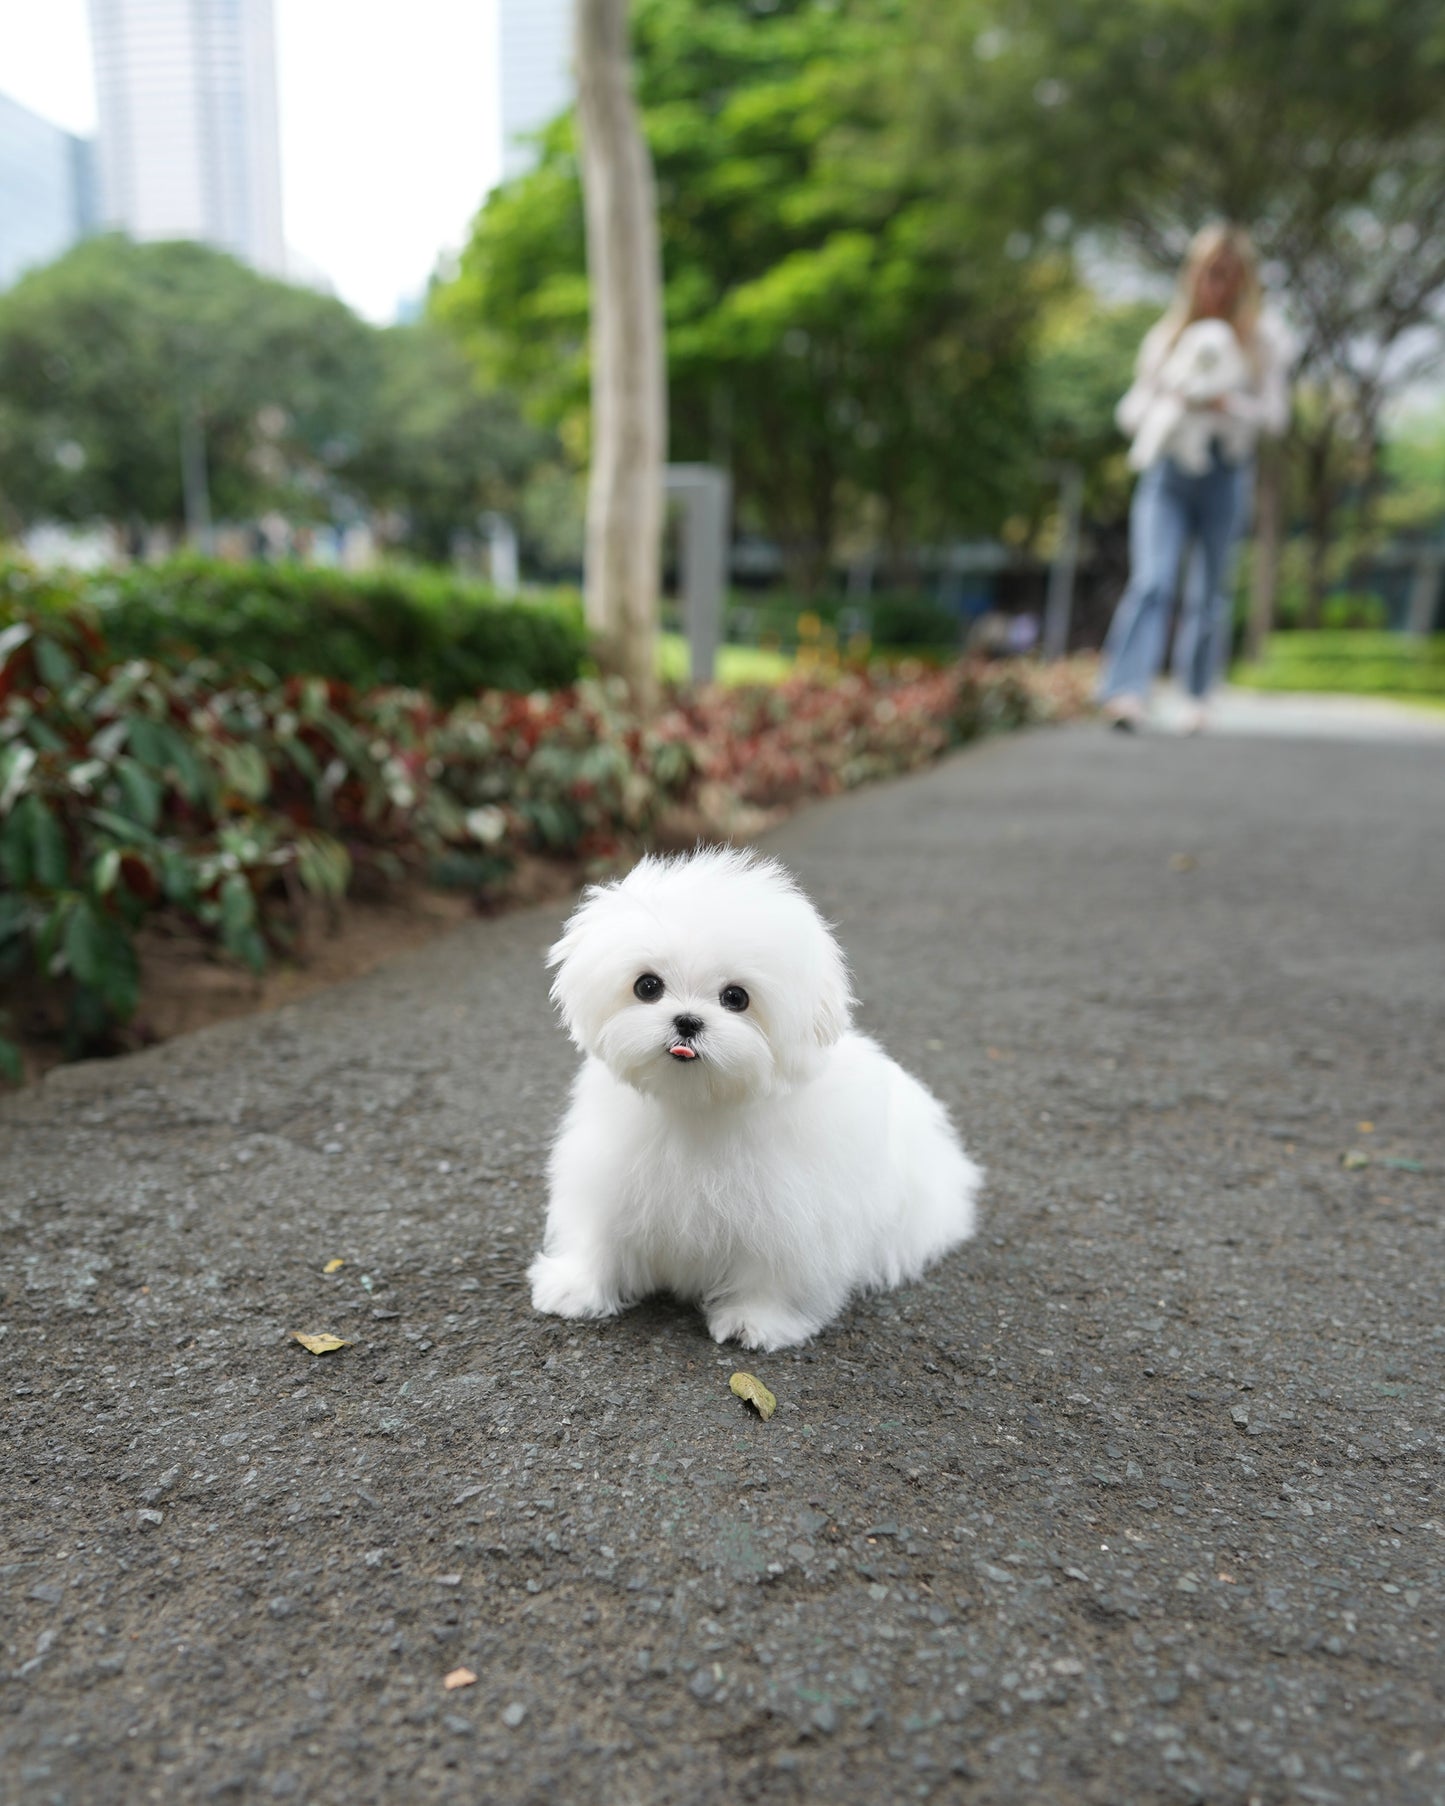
(1171, 508)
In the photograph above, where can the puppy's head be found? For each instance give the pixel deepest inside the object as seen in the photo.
(1207, 360)
(710, 979)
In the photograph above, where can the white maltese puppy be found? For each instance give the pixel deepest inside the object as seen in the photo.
(1206, 366)
(731, 1139)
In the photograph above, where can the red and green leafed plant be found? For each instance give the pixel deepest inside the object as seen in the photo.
(130, 788)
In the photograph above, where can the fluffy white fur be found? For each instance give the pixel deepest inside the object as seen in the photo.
(787, 1166)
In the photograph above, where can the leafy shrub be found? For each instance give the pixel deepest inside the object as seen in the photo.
(811, 737)
(571, 773)
(1358, 609)
(128, 789)
(124, 790)
(423, 629)
(907, 621)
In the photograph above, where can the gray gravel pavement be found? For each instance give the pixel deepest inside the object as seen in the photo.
(1135, 1498)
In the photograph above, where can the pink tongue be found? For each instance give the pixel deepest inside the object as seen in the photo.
(683, 1053)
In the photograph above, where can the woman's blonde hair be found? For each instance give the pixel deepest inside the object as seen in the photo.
(1204, 247)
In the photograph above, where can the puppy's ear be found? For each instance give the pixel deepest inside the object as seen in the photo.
(833, 1009)
(594, 900)
(565, 945)
(571, 988)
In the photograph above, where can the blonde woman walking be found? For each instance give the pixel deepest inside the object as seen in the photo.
(1212, 376)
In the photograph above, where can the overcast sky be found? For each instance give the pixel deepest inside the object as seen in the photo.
(387, 144)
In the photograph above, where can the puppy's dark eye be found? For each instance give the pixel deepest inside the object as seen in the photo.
(648, 988)
(734, 997)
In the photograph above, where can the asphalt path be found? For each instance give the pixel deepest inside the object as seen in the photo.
(1135, 1498)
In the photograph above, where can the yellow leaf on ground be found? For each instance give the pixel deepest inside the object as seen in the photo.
(459, 1677)
(333, 1266)
(755, 1392)
(320, 1344)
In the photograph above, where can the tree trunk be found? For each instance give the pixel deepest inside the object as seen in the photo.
(1371, 451)
(1321, 483)
(629, 425)
(1268, 540)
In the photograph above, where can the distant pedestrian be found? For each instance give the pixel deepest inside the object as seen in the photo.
(1212, 376)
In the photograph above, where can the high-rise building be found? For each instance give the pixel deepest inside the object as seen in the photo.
(188, 142)
(47, 190)
(534, 74)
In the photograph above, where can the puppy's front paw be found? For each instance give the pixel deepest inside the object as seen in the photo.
(761, 1324)
(563, 1287)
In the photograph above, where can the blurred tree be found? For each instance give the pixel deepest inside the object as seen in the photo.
(433, 448)
(1414, 506)
(518, 304)
(1317, 126)
(110, 355)
(1415, 474)
(1083, 362)
(842, 334)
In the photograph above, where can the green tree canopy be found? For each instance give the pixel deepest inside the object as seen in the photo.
(841, 333)
(1083, 361)
(105, 352)
(300, 405)
(435, 448)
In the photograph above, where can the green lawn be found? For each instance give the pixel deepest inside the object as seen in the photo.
(735, 664)
(1351, 663)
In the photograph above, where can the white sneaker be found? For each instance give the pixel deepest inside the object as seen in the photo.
(1124, 713)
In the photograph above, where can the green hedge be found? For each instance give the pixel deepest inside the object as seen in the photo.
(425, 630)
(1351, 663)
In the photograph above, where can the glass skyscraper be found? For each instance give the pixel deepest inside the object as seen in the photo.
(47, 190)
(534, 73)
(188, 145)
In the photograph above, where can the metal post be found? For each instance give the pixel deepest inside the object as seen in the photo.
(195, 489)
(705, 492)
(502, 562)
(1425, 589)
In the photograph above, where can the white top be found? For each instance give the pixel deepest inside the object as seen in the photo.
(1164, 416)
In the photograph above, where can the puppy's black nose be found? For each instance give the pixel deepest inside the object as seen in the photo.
(687, 1026)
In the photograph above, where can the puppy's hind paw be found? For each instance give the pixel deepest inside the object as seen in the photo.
(566, 1288)
(761, 1325)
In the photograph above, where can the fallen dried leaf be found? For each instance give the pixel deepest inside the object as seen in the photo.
(459, 1677)
(1353, 1159)
(320, 1344)
(333, 1266)
(1182, 862)
(756, 1394)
